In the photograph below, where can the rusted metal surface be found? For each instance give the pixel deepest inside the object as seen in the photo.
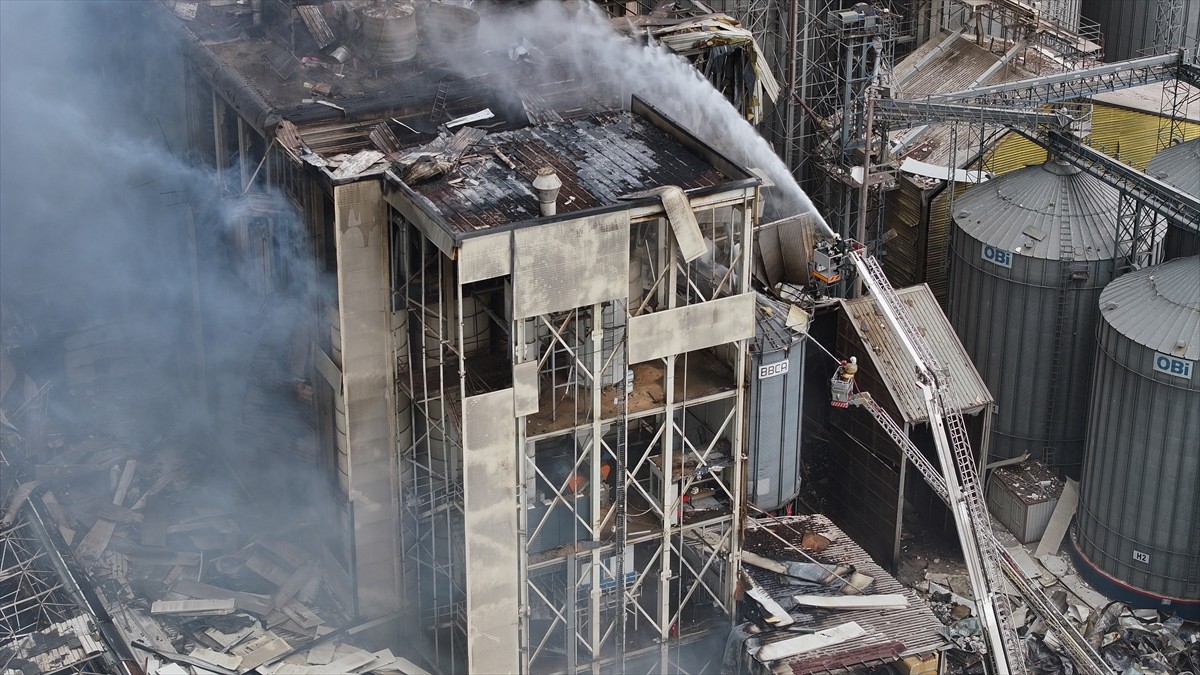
(889, 634)
(599, 158)
(315, 21)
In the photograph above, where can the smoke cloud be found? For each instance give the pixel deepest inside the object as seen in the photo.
(552, 35)
(94, 232)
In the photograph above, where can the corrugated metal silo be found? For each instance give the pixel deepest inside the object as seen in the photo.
(1137, 534)
(1179, 165)
(776, 398)
(1030, 252)
(1129, 26)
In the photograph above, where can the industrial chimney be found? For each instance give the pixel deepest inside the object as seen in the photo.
(546, 186)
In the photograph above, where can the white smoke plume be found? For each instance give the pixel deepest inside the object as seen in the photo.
(579, 37)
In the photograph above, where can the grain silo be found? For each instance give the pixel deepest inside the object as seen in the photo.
(1030, 252)
(1130, 27)
(776, 390)
(1179, 166)
(1137, 534)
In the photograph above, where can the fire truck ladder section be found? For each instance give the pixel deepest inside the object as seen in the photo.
(959, 485)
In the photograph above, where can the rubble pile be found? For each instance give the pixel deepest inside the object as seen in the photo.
(1133, 642)
(202, 566)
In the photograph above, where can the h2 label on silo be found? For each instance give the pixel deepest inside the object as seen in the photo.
(1139, 556)
(997, 256)
(1173, 366)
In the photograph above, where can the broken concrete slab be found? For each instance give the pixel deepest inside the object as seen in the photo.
(1027, 564)
(883, 601)
(808, 643)
(1060, 520)
(194, 607)
(1055, 565)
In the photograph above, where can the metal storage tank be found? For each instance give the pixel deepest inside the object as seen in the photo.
(1129, 26)
(776, 395)
(1179, 166)
(1030, 252)
(1137, 533)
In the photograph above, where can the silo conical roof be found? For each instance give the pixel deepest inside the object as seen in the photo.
(1158, 307)
(1023, 211)
(1178, 165)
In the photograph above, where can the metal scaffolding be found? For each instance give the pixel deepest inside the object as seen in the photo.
(615, 564)
(44, 619)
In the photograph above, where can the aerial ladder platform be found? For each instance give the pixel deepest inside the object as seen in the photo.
(958, 484)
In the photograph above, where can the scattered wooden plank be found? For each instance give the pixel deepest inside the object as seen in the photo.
(23, 492)
(123, 484)
(267, 648)
(293, 585)
(153, 556)
(246, 602)
(163, 481)
(103, 508)
(216, 607)
(302, 615)
(320, 655)
(882, 601)
(260, 565)
(807, 643)
(59, 516)
(227, 641)
(154, 524)
(96, 541)
(227, 661)
(287, 552)
(48, 473)
(350, 663)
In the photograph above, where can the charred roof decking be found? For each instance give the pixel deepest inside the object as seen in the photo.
(602, 159)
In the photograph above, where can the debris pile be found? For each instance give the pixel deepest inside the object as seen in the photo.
(1137, 642)
(818, 602)
(202, 566)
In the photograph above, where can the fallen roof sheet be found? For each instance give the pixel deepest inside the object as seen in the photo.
(967, 392)
(888, 634)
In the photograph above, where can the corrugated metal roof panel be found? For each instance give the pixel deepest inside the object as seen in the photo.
(1129, 135)
(1178, 165)
(955, 69)
(914, 626)
(1013, 152)
(1023, 211)
(903, 218)
(967, 390)
(1158, 307)
(599, 159)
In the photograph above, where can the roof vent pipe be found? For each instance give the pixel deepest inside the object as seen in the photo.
(546, 186)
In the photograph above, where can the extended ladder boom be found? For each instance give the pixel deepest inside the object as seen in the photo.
(1084, 655)
(958, 472)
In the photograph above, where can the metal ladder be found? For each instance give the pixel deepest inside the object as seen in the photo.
(970, 514)
(1081, 650)
(619, 525)
(972, 493)
(1066, 256)
(439, 102)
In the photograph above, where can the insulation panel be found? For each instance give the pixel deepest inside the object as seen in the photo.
(575, 263)
(363, 299)
(490, 513)
(692, 327)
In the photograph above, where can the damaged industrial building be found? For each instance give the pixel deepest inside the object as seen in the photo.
(410, 337)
